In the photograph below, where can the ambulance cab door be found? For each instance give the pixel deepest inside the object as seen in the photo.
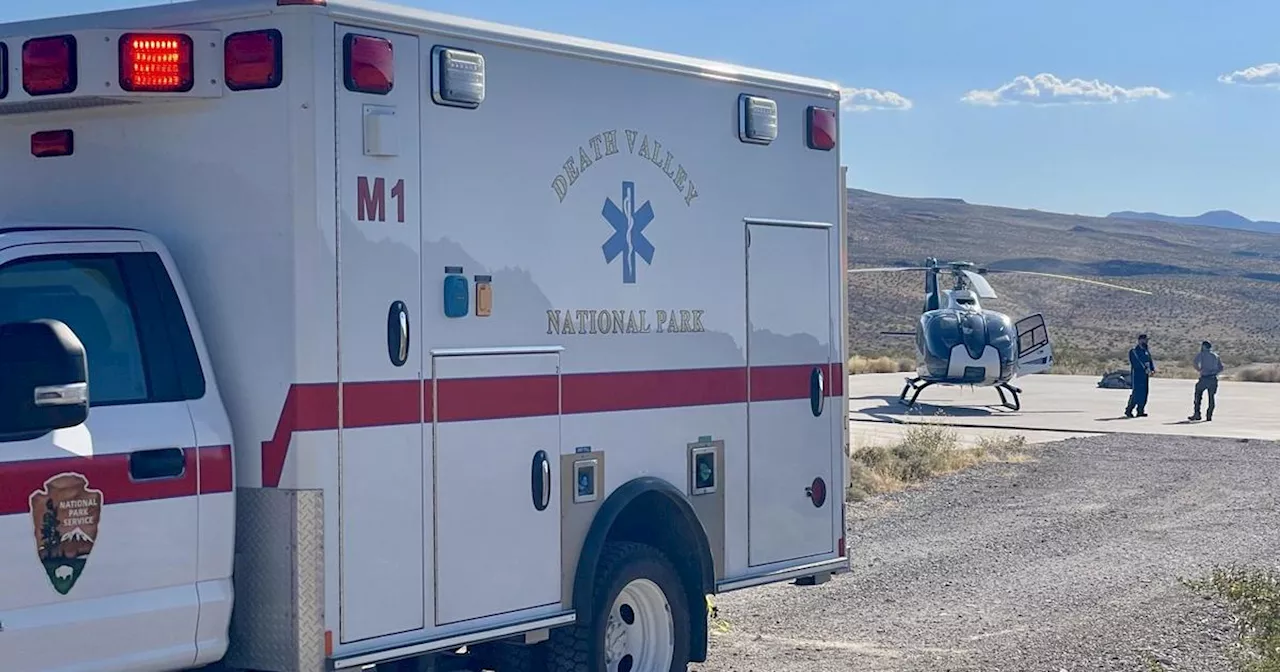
(99, 521)
(790, 439)
(383, 488)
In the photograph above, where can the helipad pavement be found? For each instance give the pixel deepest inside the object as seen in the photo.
(1057, 407)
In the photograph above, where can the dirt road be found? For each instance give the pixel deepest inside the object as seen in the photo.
(1068, 562)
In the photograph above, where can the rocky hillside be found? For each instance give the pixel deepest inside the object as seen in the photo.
(1209, 282)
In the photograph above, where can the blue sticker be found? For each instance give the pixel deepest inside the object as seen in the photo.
(628, 237)
(456, 296)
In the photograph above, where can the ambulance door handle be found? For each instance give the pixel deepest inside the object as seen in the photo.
(541, 480)
(163, 463)
(817, 391)
(398, 333)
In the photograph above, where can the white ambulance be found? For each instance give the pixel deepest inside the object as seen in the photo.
(338, 335)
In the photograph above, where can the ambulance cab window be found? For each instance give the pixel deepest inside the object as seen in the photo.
(89, 295)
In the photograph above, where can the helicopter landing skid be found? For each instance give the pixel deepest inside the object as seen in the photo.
(1014, 392)
(916, 384)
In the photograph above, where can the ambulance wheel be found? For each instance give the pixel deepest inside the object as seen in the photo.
(639, 622)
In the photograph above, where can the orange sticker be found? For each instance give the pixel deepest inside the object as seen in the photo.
(484, 295)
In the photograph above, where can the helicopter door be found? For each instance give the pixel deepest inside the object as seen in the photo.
(792, 496)
(1035, 353)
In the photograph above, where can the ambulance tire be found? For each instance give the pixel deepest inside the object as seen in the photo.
(581, 647)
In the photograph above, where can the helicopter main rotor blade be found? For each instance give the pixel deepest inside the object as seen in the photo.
(888, 269)
(980, 284)
(1070, 277)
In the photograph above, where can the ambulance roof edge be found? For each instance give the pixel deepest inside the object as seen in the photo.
(396, 17)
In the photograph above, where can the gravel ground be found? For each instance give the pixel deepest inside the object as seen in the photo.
(1067, 562)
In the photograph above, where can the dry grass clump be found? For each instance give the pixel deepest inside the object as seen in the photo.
(1259, 373)
(860, 364)
(926, 451)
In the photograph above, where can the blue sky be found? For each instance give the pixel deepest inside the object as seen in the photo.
(1150, 125)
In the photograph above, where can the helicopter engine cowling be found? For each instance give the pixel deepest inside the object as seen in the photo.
(967, 332)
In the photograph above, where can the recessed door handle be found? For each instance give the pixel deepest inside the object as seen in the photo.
(540, 479)
(817, 391)
(398, 333)
(162, 463)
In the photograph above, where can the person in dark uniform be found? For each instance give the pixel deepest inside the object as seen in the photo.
(1208, 365)
(1141, 366)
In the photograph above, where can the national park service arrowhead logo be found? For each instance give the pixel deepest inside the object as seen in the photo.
(65, 513)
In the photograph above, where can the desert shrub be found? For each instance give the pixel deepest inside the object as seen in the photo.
(1260, 373)
(1253, 597)
(859, 364)
(927, 450)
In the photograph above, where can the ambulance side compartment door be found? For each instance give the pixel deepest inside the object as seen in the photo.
(790, 437)
(383, 489)
(497, 487)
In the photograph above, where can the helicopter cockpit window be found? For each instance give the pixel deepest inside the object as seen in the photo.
(1001, 334)
(999, 328)
(941, 333)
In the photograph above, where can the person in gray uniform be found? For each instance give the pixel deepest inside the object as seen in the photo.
(1208, 365)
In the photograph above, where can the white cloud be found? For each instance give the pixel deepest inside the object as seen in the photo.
(1266, 74)
(1048, 89)
(866, 100)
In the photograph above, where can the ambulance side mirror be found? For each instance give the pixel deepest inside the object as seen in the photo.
(44, 378)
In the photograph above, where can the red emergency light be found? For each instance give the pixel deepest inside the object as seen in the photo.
(156, 63)
(49, 65)
(253, 60)
(370, 64)
(822, 128)
(46, 144)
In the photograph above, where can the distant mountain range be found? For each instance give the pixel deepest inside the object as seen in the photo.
(1221, 219)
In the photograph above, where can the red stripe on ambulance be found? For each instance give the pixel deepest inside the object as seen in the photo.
(216, 470)
(314, 407)
(110, 474)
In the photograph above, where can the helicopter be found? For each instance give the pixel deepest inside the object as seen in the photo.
(960, 343)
